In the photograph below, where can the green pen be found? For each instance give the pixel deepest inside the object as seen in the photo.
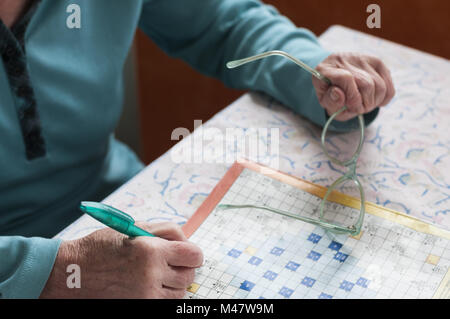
(114, 218)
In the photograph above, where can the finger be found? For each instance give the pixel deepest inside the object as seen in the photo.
(345, 80)
(166, 230)
(184, 254)
(380, 86)
(320, 86)
(366, 87)
(178, 277)
(173, 293)
(384, 72)
(334, 99)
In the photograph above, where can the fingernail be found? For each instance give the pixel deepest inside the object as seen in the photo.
(334, 95)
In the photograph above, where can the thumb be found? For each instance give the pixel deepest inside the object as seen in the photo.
(333, 99)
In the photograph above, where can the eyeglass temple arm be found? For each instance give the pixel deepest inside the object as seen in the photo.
(283, 213)
(304, 66)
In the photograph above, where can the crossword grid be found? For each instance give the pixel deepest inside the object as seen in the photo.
(251, 253)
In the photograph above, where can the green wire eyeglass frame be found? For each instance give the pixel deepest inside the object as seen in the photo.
(350, 164)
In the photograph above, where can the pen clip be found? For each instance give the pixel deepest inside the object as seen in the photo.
(113, 211)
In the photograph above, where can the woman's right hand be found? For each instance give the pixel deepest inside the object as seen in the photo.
(115, 266)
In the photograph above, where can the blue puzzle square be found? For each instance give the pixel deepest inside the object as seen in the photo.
(324, 296)
(308, 281)
(346, 285)
(314, 238)
(277, 251)
(234, 253)
(363, 282)
(334, 245)
(254, 261)
(341, 257)
(247, 285)
(292, 266)
(314, 255)
(286, 292)
(270, 275)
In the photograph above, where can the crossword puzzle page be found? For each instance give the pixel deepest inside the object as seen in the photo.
(254, 253)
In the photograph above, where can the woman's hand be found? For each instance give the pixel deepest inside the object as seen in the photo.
(115, 266)
(361, 82)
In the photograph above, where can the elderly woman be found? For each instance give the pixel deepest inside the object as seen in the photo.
(60, 99)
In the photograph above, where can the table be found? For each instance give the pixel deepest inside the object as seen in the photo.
(404, 164)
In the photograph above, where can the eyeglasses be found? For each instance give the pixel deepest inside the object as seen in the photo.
(350, 164)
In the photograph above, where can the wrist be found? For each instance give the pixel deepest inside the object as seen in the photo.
(56, 286)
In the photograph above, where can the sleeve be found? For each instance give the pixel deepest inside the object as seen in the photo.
(209, 33)
(25, 265)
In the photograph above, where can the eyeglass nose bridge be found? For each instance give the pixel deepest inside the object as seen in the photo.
(351, 170)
